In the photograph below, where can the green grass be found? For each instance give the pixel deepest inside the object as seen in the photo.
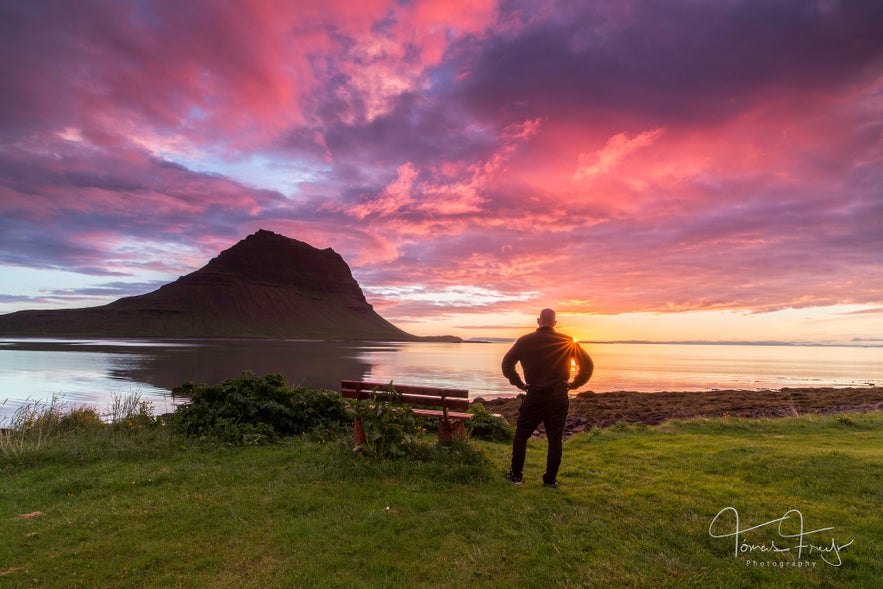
(634, 508)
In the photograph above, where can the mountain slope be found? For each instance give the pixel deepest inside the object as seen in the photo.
(267, 285)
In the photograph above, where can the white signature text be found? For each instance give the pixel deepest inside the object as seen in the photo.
(789, 531)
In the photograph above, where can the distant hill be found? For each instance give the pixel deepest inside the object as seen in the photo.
(266, 286)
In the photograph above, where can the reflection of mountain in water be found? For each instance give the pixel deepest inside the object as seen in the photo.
(309, 364)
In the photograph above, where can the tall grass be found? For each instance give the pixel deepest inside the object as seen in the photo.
(31, 427)
(40, 428)
(131, 411)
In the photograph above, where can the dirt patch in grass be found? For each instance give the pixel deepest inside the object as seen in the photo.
(588, 409)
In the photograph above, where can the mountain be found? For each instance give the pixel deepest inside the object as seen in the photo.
(267, 285)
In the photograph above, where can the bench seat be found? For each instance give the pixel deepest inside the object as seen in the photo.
(452, 403)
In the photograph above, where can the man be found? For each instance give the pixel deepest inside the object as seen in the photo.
(545, 356)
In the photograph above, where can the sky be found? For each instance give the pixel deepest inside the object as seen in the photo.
(662, 170)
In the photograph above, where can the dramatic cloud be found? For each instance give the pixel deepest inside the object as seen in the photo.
(464, 157)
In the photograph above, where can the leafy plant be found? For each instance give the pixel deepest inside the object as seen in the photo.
(252, 410)
(486, 426)
(390, 427)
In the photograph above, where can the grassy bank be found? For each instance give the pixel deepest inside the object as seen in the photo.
(144, 509)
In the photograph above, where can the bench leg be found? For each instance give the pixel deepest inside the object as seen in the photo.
(358, 432)
(448, 431)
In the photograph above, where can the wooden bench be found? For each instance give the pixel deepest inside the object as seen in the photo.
(453, 404)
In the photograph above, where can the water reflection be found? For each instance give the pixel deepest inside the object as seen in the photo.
(91, 371)
(309, 364)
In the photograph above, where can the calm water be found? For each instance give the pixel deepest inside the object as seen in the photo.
(91, 372)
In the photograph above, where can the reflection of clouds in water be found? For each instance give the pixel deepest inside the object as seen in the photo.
(472, 366)
(308, 364)
(73, 373)
(92, 371)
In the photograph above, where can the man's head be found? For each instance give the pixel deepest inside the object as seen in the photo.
(547, 318)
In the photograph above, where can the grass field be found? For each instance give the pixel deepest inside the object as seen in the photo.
(634, 509)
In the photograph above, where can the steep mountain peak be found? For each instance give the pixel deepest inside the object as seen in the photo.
(266, 285)
(265, 257)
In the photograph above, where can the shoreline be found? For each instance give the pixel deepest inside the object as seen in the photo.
(600, 410)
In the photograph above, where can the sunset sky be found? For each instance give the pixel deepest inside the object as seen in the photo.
(655, 170)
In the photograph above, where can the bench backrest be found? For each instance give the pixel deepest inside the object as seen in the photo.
(456, 399)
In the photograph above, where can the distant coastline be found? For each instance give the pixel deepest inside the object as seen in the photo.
(772, 343)
(741, 343)
(588, 410)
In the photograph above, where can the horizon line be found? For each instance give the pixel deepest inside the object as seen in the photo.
(771, 343)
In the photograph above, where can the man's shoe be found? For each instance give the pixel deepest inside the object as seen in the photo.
(552, 485)
(514, 479)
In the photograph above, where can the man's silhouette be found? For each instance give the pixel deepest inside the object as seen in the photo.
(545, 356)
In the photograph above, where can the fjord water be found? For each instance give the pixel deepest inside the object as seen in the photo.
(92, 371)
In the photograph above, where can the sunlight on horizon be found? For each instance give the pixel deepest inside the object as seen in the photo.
(837, 325)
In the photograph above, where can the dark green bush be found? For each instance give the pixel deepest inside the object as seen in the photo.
(252, 410)
(487, 426)
(390, 428)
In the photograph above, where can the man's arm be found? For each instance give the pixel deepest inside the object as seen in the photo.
(585, 364)
(508, 366)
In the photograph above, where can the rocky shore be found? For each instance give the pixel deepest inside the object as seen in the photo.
(588, 409)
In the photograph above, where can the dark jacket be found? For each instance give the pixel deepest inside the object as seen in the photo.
(545, 357)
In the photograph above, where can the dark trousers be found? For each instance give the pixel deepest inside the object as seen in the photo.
(549, 407)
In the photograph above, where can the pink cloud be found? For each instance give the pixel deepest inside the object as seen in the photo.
(605, 160)
(395, 197)
(611, 158)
